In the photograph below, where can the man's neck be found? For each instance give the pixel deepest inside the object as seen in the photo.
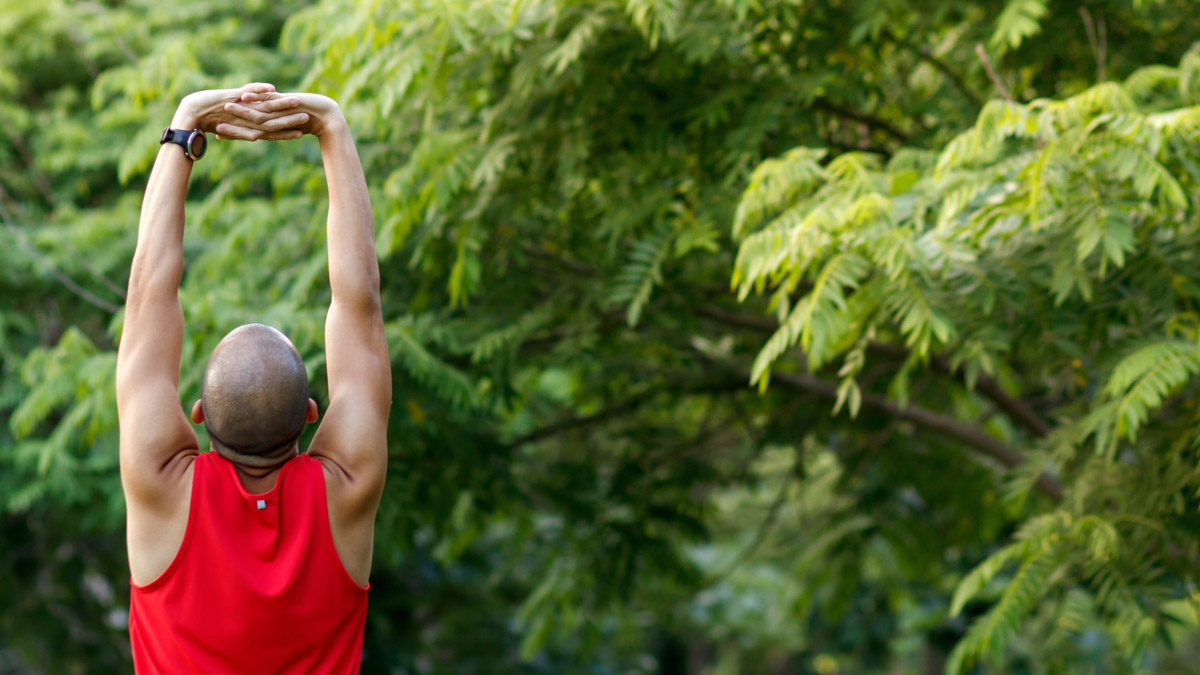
(257, 480)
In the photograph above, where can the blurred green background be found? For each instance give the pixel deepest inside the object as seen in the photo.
(741, 336)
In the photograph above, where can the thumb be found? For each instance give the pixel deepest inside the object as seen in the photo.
(254, 97)
(259, 87)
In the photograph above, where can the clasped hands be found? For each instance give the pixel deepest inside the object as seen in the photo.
(256, 112)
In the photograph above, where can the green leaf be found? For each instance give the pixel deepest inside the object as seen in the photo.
(1019, 20)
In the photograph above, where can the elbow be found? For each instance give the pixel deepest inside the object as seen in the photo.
(360, 292)
(144, 290)
(363, 300)
(147, 281)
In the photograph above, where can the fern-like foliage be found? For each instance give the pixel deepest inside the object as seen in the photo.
(641, 273)
(776, 183)
(990, 635)
(1052, 232)
(1019, 20)
(1045, 546)
(412, 356)
(1141, 382)
(814, 318)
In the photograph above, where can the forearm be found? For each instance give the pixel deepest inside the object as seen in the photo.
(353, 268)
(158, 259)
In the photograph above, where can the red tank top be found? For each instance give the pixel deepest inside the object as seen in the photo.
(257, 586)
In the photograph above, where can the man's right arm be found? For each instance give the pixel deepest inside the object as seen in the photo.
(353, 435)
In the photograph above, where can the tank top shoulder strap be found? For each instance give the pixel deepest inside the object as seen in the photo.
(305, 482)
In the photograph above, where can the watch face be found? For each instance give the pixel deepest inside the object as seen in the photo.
(198, 144)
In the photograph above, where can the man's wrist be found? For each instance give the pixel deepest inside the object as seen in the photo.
(185, 118)
(333, 124)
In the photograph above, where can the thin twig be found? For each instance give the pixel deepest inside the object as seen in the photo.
(764, 528)
(39, 178)
(80, 259)
(1096, 40)
(869, 120)
(1102, 56)
(926, 54)
(991, 72)
(722, 385)
(97, 274)
(67, 281)
(874, 149)
(573, 265)
(122, 45)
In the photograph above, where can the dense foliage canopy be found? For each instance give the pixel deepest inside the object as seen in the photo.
(739, 336)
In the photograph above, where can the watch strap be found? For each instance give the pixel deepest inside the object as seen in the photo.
(186, 139)
(177, 136)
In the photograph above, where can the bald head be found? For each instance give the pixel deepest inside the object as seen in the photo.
(255, 396)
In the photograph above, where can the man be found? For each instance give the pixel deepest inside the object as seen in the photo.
(253, 558)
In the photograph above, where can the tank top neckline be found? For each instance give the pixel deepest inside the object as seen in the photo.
(230, 470)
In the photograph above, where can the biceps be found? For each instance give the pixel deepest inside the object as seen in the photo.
(152, 426)
(148, 376)
(151, 340)
(356, 356)
(353, 433)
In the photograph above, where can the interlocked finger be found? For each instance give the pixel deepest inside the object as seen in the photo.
(277, 104)
(233, 132)
(285, 122)
(227, 131)
(285, 135)
(251, 114)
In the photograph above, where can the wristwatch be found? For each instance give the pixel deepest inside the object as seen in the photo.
(192, 141)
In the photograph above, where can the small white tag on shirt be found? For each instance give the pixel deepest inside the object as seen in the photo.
(262, 504)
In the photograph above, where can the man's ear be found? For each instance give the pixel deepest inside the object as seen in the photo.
(197, 413)
(310, 415)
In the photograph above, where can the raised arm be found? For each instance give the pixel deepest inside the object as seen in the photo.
(352, 438)
(153, 428)
(353, 435)
(154, 432)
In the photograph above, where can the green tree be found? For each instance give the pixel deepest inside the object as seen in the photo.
(613, 447)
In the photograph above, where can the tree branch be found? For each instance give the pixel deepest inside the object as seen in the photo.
(1016, 409)
(39, 178)
(1098, 42)
(736, 318)
(764, 528)
(576, 266)
(869, 120)
(926, 54)
(847, 147)
(991, 72)
(79, 258)
(966, 434)
(1019, 411)
(67, 281)
(725, 384)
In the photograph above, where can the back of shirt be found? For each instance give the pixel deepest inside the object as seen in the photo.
(257, 586)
